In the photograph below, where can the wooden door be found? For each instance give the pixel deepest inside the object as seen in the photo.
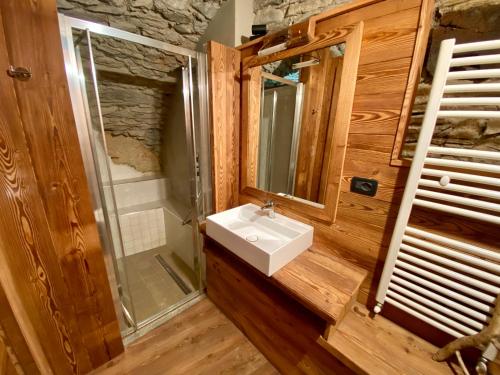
(51, 263)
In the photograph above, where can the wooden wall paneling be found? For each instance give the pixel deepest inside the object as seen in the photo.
(381, 85)
(281, 328)
(379, 143)
(366, 13)
(376, 114)
(383, 77)
(424, 27)
(394, 76)
(224, 73)
(76, 317)
(13, 340)
(361, 234)
(368, 156)
(366, 209)
(250, 95)
(390, 37)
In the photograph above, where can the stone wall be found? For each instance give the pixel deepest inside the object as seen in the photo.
(466, 20)
(278, 14)
(180, 22)
(135, 82)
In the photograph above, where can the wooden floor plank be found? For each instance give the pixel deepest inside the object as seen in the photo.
(201, 340)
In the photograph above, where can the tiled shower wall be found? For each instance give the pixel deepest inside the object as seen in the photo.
(146, 220)
(141, 192)
(143, 230)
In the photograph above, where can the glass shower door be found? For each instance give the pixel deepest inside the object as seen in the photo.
(107, 212)
(146, 207)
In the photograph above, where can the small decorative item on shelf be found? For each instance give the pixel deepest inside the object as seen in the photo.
(258, 31)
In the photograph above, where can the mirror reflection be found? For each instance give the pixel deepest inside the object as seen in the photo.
(297, 114)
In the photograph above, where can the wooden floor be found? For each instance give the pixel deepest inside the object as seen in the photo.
(200, 340)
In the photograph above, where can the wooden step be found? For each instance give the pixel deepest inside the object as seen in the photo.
(378, 346)
(325, 284)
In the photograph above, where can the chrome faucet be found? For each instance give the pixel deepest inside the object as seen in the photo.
(269, 208)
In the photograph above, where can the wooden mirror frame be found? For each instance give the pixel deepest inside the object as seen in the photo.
(341, 117)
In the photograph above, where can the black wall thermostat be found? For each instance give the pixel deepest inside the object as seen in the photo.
(364, 186)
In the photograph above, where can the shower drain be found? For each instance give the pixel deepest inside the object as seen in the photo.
(173, 274)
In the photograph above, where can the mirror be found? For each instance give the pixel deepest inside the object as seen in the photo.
(297, 111)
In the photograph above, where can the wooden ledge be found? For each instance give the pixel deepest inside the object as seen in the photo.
(378, 346)
(324, 284)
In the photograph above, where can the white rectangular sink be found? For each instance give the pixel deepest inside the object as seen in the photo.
(265, 243)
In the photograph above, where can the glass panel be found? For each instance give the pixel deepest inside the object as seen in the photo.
(139, 102)
(108, 213)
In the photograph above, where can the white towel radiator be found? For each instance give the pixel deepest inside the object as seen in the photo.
(451, 285)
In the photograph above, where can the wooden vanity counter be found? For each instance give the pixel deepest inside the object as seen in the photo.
(324, 284)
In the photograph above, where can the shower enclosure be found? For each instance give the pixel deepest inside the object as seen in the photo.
(140, 109)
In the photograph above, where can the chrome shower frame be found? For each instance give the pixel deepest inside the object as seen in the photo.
(82, 118)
